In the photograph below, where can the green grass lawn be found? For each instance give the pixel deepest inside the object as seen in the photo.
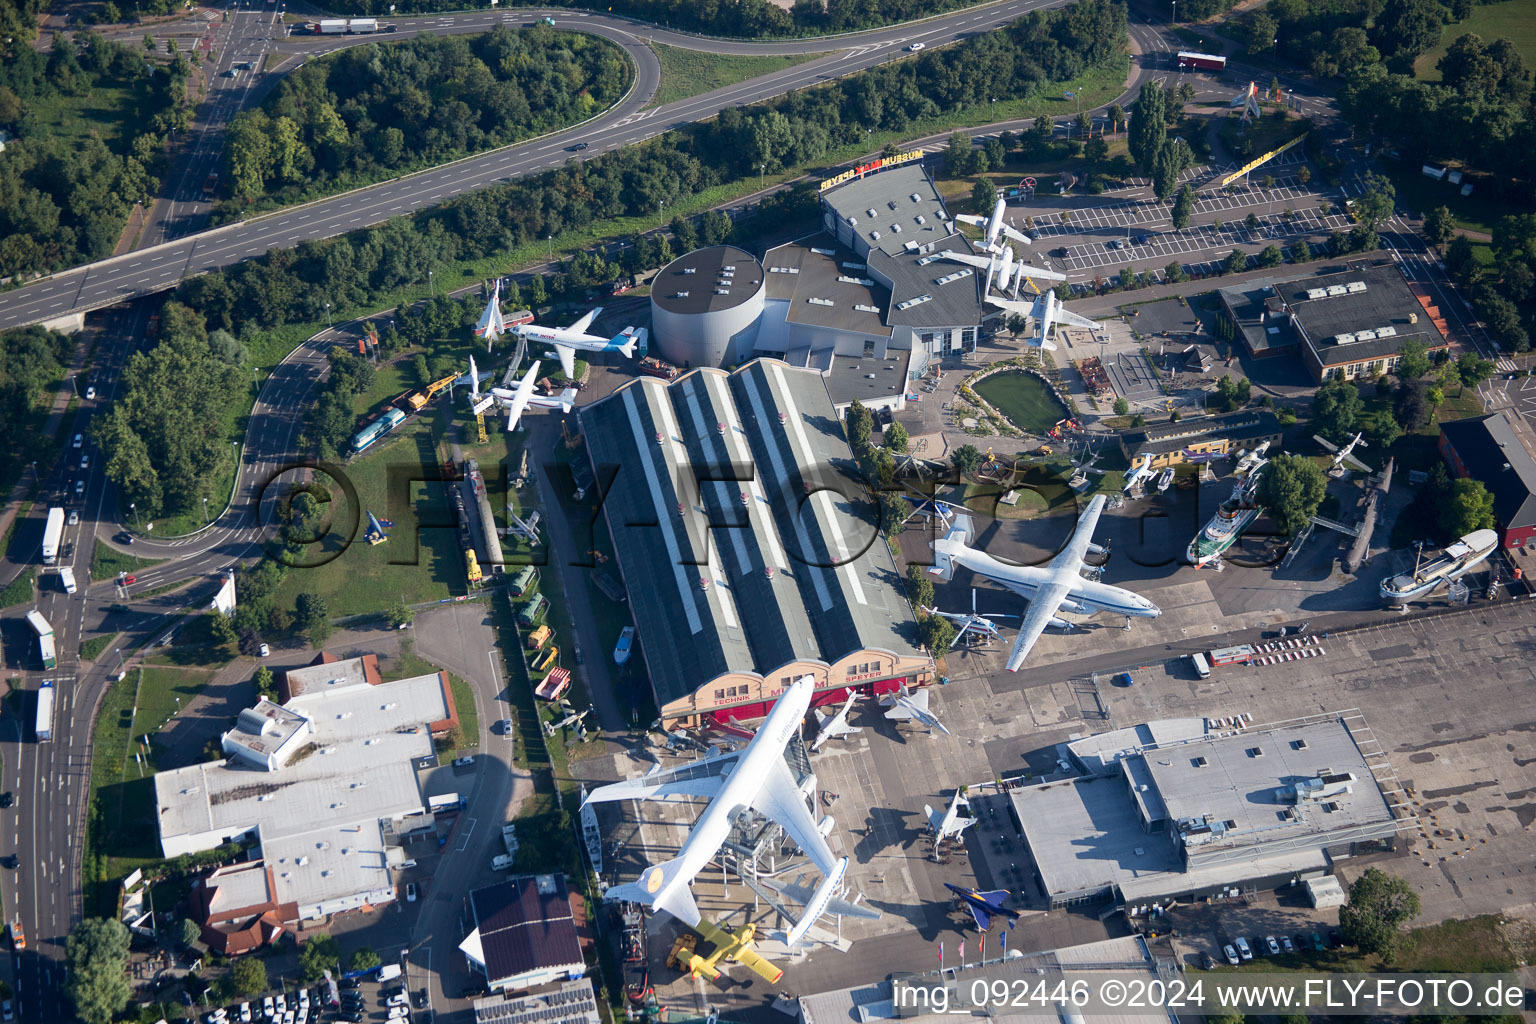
(686, 73)
(112, 113)
(121, 836)
(19, 590)
(93, 648)
(107, 563)
(1514, 20)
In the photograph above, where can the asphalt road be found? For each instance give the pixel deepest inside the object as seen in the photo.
(159, 267)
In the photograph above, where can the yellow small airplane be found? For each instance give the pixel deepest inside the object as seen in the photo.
(733, 946)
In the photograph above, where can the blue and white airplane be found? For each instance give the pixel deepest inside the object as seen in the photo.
(984, 906)
(1058, 585)
(568, 340)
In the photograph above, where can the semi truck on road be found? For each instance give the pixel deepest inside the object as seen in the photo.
(44, 638)
(53, 533)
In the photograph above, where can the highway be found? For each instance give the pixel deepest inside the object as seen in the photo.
(163, 266)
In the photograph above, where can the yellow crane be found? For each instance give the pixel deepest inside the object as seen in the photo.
(418, 399)
(547, 659)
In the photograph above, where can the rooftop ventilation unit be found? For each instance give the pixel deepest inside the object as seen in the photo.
(1365, 336)
(1355, 287)
(826, 252)
(854, 266)
(821, 302)
(914, 302)
(921, 219)
(1317, 293)
(1335, 290)
(722, 291)
(956, 276)
(853, 222)
(1386, 332)
(729, 267)
(929, 259)
(916, 198)
(874, 236)
(866, 282)
(783, 270)
(891, 203)
(911, 246)
(896, 228)
(870, 211)
(680, 295)
(1345, 339)
(866, 309)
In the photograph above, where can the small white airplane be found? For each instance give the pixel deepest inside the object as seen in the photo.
(491, 325)
(1058, 585)
(1047, 311)
(1251, 461)
(951, 823)
(479, 401)
(832, 726)
(568, 340)
(1248, 99)
(1141, 469)
(756, 778)
(1345, 454)
(994, 228)
(1166, 480)
(518, 400)
(977, 623)
(908, 706)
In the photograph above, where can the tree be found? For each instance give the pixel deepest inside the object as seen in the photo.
(1380, 429)
(966, 459)
(1258, 31)
(1412, 361)
(1149, 126)
(1472, 369)
(1301, 252)
(685, 235)
(1116, 115)
(222, 627)
(1271, 256)
(1173, 157)
(1235, 261)
(149, 42)
(266, 686)
(1096, 151)
(1122, 407)
(1407, 28)
(919, 586)
(1379, 905)
(185, 934)
(937, 633)
(1439, 225)
(1183, 206)
(97, 952)
(896, 438)
(1251, 222)
(249, 976)
(960, 155)
(1411, 405)
(1376, 202)
(312, 617)
(363, 959)
(318, 955)
(1291, 489)
(400, 614)
(1470, 507)
(861, 423)
(983, 197)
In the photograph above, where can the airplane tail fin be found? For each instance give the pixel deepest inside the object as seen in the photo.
(567, 399)
(662, 887)
(944, 549)
(993, 899)
(625, 341)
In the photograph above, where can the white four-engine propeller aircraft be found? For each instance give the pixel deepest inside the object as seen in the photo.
(1058, 585)
(754, 778)
(567, 340)
(993, 227)
(515, 401)
(1047, 311)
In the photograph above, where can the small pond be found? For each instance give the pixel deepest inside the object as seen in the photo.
(1028, 402)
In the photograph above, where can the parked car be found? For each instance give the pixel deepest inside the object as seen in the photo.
(264, 650)
(1231, 954)
(85, 462)
(1317, 942)
(7, 798)
(398, 1012)
(1286, 944)
(467, 761)
(245, 1013)
(420, 999)
(79, 488)
(79, 440)
(1271, 945)
(7, 1010)
(90, 393)
(1335, 940)
(124, 537)
(1243, 949)
(74, 517)
(1142, 239)
(1206, 961)
(398, 999)
(410, 892)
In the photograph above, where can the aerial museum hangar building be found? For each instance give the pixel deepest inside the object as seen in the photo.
(751, 555)
(866, 301)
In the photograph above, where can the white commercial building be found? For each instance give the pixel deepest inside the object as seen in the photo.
(319, 782)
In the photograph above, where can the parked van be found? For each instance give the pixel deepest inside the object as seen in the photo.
(532, 610)
(1202, 666)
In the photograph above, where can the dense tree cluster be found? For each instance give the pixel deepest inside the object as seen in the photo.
(1291, 489)
(164, 437)
(66, 201)
(374, 110)
(748, 19)
(1500, 291)
(97, 952)
(296, 284)
(32, 359)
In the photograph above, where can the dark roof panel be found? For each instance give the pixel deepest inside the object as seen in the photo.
(1491, 450)
(525, 925)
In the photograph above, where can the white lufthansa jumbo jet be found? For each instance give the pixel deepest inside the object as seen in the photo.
(1058, 585)
(567, 340)
(753, 778)
(993, 227)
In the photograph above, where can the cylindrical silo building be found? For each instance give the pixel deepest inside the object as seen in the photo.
(705, 307)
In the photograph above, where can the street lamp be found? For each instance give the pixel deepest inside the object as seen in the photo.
(205, 511)
(550, 256)
(328, 314)
(134, 508)
(760, 169)
(432, 282)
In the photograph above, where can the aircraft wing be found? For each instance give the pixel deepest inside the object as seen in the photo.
(1320, 439)
(1017, 236)
(699, 778)
(802, 894)
(1024, 270)
(971, 218)
(1042, 609)
(1077, 547)
(779, 798)
(1066, 316)
(567, 360)
(967, 258)
(1357, 464)
(580, 326)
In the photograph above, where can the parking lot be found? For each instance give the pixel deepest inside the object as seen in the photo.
(350, 999)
